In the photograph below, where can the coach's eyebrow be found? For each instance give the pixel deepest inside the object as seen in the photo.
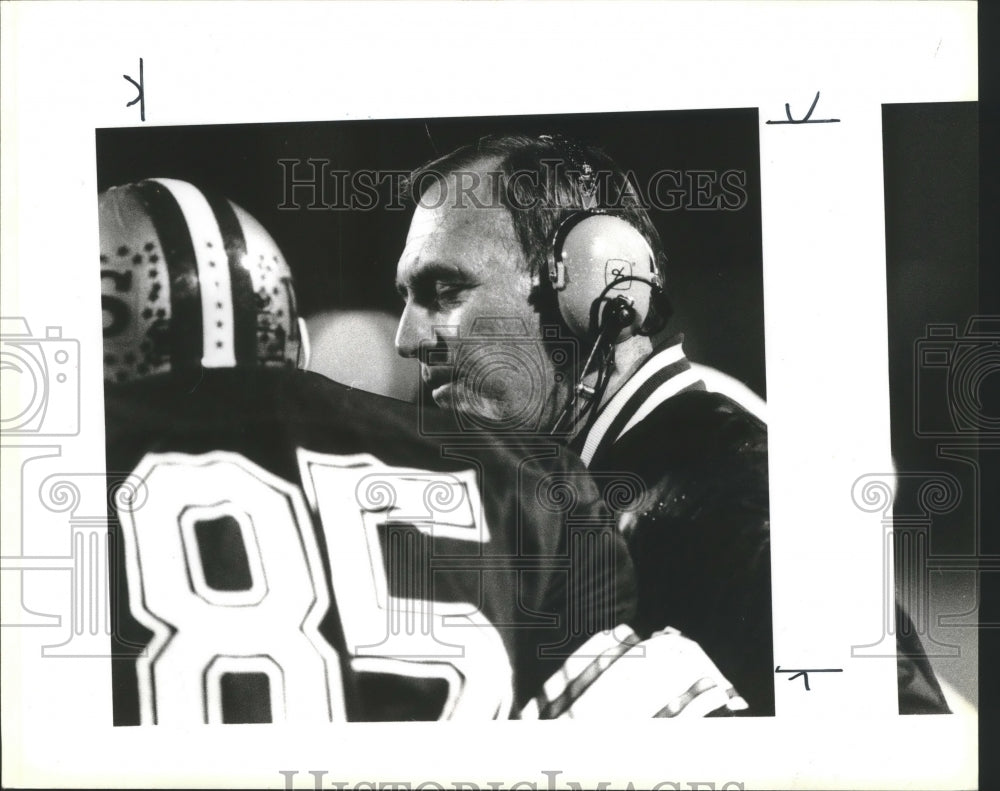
(426, 275)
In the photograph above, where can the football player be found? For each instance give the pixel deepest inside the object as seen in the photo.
(287, 548)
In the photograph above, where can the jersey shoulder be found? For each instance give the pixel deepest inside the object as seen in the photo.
(480, 529)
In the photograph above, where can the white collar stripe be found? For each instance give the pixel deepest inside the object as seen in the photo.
(658, 361)
(668, 389)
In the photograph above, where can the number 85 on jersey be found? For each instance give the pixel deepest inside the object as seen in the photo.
(225, 570)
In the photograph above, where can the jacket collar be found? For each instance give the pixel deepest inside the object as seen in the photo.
(664, 374)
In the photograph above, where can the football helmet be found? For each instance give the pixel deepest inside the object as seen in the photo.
(189, 279)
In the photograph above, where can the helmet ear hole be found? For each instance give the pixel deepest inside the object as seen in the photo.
(190, 280)
(597, 258)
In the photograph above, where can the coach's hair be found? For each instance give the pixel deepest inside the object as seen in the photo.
(541, 181)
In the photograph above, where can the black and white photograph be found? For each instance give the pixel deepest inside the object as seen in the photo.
(493, 395)
(525, 290)
(940, 367)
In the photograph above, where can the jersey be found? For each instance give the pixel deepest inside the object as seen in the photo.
(288, 549)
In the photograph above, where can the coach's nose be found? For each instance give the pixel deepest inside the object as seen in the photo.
(413, 328)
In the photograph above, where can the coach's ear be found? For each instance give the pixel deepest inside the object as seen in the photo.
(305, 351)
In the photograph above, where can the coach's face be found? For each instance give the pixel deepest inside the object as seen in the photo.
(467, 318)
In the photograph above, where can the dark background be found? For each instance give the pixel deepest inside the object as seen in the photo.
(931, 177)
(930, 161)
(347, 259)
(989, 303)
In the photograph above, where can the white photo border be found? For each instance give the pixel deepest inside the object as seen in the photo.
(823, 236)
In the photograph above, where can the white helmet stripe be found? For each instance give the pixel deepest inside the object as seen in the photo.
(218, 349)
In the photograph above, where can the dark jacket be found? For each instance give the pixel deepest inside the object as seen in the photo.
(700, 536)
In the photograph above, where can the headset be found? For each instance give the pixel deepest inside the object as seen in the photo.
(602, 270)
(602, 273)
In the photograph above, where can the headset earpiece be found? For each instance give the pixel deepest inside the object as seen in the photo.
(602, 273)
(597, 260)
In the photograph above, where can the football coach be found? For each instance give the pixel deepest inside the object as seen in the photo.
(520, 242)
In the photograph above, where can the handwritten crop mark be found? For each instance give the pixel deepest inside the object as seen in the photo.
(808, 119)
(141, 92)
(804, 672)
